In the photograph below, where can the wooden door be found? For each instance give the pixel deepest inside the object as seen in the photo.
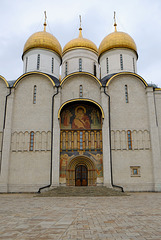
(81, 176)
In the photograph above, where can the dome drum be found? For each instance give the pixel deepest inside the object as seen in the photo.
(79, 51)
(49, 62)
(71, 62)
(118, 60)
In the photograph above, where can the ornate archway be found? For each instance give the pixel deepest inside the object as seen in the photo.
(73, 166)
(81, 140)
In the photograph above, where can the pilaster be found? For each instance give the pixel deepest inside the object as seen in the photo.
(155, 141)
(106, 140)
(56, 142)
(4, 176)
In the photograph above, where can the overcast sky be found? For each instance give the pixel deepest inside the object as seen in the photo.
(141, 19)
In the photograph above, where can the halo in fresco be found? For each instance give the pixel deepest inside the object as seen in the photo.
(81, 116)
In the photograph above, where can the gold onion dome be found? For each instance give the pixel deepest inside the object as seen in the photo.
(117, 40)
(80, 42)
(43, 40)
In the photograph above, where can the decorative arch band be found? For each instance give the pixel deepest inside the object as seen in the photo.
(127, 73)
(81, 160)
(4, 80)
(30, 73)
(80, 73)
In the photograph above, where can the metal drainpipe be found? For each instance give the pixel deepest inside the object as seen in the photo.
(51, 164)
(4, 123)
(110, 143)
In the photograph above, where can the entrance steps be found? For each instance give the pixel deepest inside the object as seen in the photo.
(94, 191)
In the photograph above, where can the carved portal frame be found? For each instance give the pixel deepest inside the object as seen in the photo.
(85, 161)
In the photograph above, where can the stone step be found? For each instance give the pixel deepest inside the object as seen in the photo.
(81, 191)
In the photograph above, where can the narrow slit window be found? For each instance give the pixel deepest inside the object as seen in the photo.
(34, 94)
(26, 64)
(100, 72)
(121, 62)
(80, 91)
(129, 140)
(133, 65)
(38, 61)
(126, 94)
(80, 65)
(94, 69)
(66, 68)
(52, 65)
(81, 140)
(31, 141)
(107, 65)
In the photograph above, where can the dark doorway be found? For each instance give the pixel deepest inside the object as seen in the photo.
(81, 176)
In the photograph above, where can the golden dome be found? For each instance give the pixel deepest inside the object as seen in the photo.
(44, 40)
(117, 40)
(80, 42)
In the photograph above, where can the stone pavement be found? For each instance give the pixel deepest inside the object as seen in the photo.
(134, 217)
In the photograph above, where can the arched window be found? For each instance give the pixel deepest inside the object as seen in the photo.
(52, 65)
(34, 95)
(126, 94)
(81, 140)
(38, 61)
(94, 69)
(133, 65)
(80, 91)
(80, 65)
(26, 64)
(121, 62)
(107, 65)
(129, 140)
(66, 68)
(31, 141)
(100, 72)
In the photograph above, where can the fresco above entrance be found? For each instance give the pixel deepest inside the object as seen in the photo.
(81, 116)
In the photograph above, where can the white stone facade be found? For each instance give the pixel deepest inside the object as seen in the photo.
(127, 147)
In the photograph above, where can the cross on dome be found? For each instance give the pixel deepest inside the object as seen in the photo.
(115, 24)
(45, 24)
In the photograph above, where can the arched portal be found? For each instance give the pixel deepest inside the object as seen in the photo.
(81, 135)
(81, 171)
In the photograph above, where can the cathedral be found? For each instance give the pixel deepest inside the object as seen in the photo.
(98, 123)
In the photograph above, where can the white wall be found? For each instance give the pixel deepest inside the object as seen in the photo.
(29, 116)
(70, 88)
(157, 97)
(29, 170)
(130, 116)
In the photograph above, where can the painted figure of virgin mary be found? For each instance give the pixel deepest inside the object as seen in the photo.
(81, 120)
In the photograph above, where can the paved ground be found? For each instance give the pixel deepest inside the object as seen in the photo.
(24, 217)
